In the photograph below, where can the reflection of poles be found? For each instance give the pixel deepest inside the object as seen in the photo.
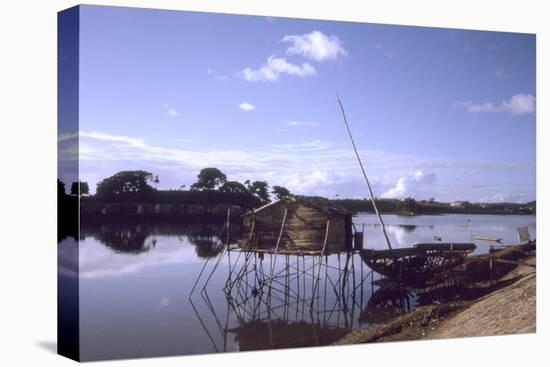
(247, 256)
(304, 283)
(361, 281)
(279, 306)
(226, 249)
(204, 267)
(227, 241)
(203, 326)
(320, 264)
(326, 284)
(274, 259)
(210, 307)
(215, 267)
(226, 328)
(353, 274)
(372, 283)
(345, 289)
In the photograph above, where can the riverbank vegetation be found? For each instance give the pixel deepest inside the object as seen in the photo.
(212, 188)
(410, 206)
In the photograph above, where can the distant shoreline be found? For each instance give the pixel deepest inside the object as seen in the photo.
(412, 207)
(213, 206)
(204, 203)
(440, 213)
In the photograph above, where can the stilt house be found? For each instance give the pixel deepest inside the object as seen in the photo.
(298, 224)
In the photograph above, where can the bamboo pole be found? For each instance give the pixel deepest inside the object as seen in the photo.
(273, 260)
(244, 268)
(320, 264)
(227, 244)
(228, 223)
(204, 267)
(365, 175)
(215, 267)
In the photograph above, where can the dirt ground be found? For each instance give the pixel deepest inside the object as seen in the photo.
(507, 307)
(509, 310)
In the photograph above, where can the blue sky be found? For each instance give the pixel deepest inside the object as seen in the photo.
(435, 112)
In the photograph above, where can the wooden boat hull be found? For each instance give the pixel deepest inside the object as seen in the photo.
(418, 264)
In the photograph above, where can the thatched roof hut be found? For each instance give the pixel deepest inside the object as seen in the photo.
(298, 223)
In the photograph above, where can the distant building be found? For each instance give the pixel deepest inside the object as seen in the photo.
(459, 204)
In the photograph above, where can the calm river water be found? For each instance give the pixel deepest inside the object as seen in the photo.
(135, 282)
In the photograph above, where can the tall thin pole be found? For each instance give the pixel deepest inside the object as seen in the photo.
(364, 175)
(320, 264)
(273, 259)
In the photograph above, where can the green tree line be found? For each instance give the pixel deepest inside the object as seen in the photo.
(211, 185)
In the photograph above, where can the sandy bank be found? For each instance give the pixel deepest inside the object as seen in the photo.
(506, 306)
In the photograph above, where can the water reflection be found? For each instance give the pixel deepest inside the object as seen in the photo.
(207, 246)
(125, 239)
(387, 304)
(408, 227)
(282, 319)
(407, 230)
(138, 238)
(253, 332)
(135, 280)
(258, 335)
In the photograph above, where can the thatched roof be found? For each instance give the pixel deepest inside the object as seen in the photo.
(314, 202)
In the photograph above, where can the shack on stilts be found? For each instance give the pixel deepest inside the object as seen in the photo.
(298, 225)
(298, 235)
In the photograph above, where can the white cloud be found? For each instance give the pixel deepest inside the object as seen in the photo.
(66, 136)
(170, 111)
(409, 185)
(315, 167)
(295, 123)
(114, 138)
(312, 145)
(210, 71)
(245, 106)
(274, 68)
(316, 46)
(93, 256)
(518, 104)
(312, 181)
(505, 197)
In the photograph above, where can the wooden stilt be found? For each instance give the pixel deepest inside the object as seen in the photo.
(274, 259)
(227, 242)
(320, 263)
